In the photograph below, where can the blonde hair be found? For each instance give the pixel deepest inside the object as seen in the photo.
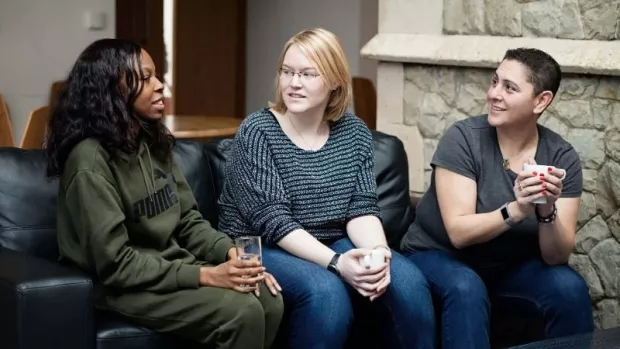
(324, 49)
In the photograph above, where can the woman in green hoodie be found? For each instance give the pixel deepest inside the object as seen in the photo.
(127, 215)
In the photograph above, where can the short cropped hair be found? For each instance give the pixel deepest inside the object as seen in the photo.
(544, 72)
(324, 49)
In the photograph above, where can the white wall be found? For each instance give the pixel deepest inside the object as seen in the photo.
(272, 22)
(39, 41)
(169, 44)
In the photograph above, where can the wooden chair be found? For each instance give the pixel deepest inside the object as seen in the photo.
(6, 130)
(54, 90)
(36, 128)
(365, 101)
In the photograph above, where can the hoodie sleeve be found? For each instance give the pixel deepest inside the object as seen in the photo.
(99, 219)
(196, 233)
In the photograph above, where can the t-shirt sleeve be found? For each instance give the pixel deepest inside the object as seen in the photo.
(572, 185)
(454, 152)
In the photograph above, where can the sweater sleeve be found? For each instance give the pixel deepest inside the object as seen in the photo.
(195, 233)
(364, 198)
(257, 187)
(100, 221)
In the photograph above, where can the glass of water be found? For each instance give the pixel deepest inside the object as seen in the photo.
(249, 249)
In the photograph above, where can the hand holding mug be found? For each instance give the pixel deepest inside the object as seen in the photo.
(385, 282)
(552, 186)
(538, 184)
(364, 280)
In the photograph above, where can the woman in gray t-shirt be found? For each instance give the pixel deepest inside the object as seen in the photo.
(478, 233)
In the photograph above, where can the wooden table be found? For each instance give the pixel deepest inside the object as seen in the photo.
(201, 126)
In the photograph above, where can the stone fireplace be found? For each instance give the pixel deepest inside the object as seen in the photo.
(435, 64)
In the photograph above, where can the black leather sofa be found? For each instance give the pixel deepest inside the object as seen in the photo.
(44, 304)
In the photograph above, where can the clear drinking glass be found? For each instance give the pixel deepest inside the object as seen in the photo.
(249, 249)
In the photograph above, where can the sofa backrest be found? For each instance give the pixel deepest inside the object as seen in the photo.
(28, 198)
(27, 203)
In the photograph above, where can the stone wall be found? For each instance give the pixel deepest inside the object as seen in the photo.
(586, 112)
(565, 19)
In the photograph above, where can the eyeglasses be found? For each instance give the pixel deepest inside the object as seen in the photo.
(288, 74)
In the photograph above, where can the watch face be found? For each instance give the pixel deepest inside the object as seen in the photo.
(504, 211)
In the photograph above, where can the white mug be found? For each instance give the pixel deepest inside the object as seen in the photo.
(374, 259)
(541, 169)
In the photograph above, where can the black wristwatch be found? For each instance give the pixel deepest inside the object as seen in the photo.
(333, 264)
(506, 216)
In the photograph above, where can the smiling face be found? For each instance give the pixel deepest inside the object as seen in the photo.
(149, 103)
(511, 96)
(303, 88)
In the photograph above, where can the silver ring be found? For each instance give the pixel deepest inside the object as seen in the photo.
(520, 187)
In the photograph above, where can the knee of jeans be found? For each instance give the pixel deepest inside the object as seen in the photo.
(329, 297)
(466, 287)
(408, 282)
(570, 287)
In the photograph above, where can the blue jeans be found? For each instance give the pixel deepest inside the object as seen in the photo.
(558, 292)
(318, 304)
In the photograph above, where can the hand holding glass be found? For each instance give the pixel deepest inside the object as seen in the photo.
(249, 249)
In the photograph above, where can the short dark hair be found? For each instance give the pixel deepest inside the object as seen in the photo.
(544, 72)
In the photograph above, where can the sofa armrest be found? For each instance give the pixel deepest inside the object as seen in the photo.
(44, 304)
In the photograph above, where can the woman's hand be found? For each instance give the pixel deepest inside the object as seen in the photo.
(270, 280)
(365, 281)
(385, 282)
(272, 285)
(529, 186)
(553, 187)
(238, 275)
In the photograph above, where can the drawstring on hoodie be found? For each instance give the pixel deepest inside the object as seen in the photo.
(150, 187)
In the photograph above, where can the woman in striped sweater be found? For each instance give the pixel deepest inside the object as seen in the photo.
(301, 176)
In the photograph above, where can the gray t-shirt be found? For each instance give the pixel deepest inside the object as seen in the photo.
(470, 148)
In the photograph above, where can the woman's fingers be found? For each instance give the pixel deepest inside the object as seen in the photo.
(243, 289)
(272, 284)
(248, 271)
(246, 280)
(371, 271)
(372, 278)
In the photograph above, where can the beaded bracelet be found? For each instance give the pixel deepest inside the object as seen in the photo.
(548, 219)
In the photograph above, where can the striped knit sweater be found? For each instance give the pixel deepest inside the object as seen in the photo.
(272, 187)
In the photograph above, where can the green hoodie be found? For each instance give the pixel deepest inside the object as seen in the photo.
(133, 223)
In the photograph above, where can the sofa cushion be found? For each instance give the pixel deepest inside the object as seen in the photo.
(27, 203)
(392, 174)
(114, 332)
(218, 151)
(192, 159)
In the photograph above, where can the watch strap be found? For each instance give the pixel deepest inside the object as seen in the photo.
(333, 264)
(506, 216)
